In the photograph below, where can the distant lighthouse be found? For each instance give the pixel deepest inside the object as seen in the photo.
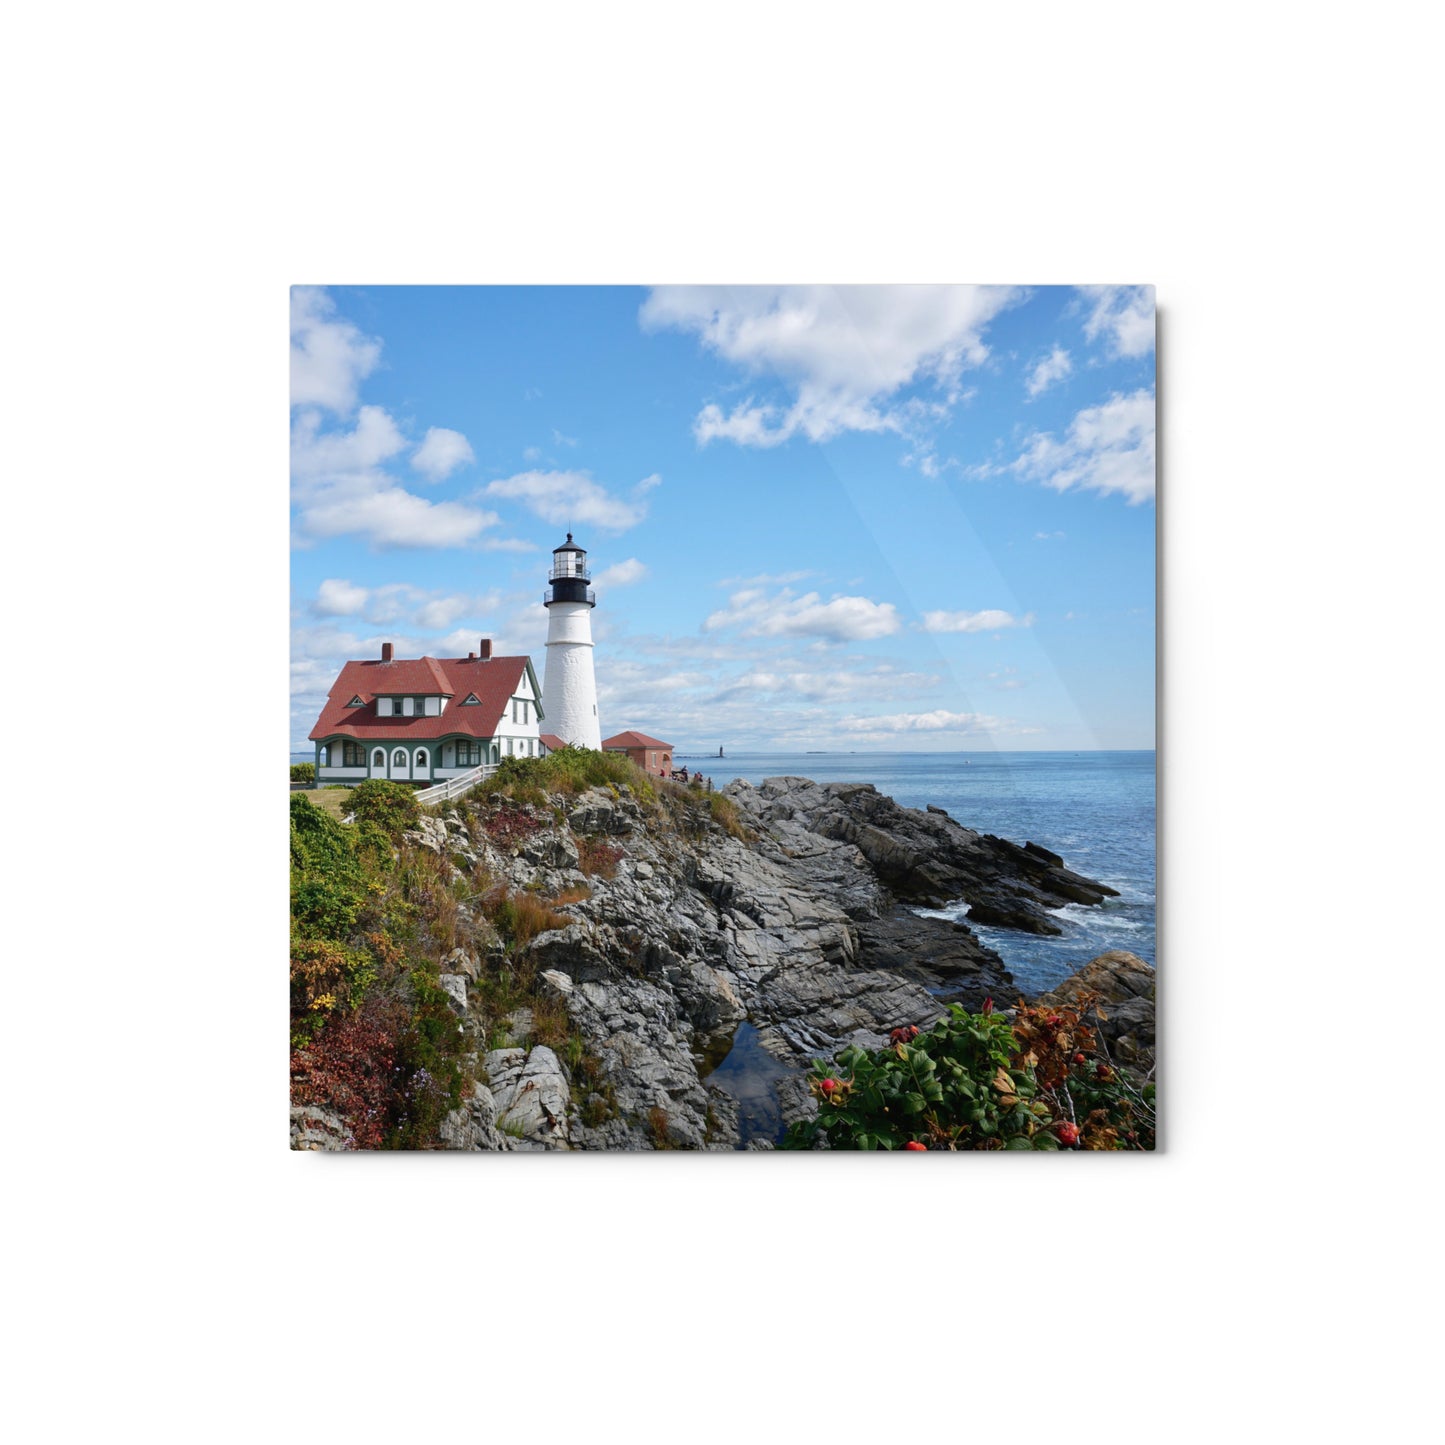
(569, 688)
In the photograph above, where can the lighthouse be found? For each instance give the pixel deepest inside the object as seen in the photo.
(569, 688)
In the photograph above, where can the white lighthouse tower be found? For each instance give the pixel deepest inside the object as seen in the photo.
(569, 688)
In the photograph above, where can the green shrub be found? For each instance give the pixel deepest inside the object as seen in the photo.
(567, 771)
(973, 1082)
(303, 772)
(327, 885)
(392, 807)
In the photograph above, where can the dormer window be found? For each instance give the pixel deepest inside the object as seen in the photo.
(471, 700)
(384, 707)
(408, 707)
(356, 702)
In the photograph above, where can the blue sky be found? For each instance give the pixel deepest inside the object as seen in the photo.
(911, 517)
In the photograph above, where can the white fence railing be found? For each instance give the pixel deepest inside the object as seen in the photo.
(455, 787)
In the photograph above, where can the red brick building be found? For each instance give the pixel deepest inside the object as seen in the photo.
(650, 754)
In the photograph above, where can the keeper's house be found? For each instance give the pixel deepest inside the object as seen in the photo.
(423, 720)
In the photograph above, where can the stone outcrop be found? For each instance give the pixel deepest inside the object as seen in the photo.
(925, 857)
(804, 929)
(531, 1096)
(313, 1127)
(1123, 986)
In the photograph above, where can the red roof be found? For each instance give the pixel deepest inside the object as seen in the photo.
(634, 740)
(552, 742)
(494, 680)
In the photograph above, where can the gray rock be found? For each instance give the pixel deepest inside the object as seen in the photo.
(530, 1094)
(1121, 986)
(455, 985)
(313, 1127)
(463, 961)
(473, 1126)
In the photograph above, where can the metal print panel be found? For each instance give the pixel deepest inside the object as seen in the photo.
(723, 718)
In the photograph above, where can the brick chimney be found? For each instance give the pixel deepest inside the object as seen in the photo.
(486, 648)
(386, 652)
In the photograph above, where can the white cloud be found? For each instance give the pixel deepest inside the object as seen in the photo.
(338, 598)
(766, 579)
(506, 544)
(558, 440)
(391, 517)
(1108, 448)
(922, 722)
(339, 488)
(442, 451)
(1054, 367)
(991, 620)
(621, 574)
(1123, 314)
(829, 683)
(573, 499)
(1047, 536)
(374, 439)
(1007, 679)
(757, 613)
(329, 357)
(841, 351)
(443, 611)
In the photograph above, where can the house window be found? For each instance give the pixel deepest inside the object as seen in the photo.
(398, 759)
(469, 754)
(421, 760)
(353, 755)
(378, 759)
(384, 707)
(408, 707)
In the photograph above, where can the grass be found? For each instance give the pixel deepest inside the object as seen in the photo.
(332, 801)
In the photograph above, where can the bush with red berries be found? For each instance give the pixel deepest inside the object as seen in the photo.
(1039, 1080)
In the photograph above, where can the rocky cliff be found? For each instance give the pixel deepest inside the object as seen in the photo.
(799, 935)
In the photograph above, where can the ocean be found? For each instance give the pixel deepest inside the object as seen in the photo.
(1096, 810)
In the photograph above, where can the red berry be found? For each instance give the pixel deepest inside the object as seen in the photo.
(1080, 1059)
(1053, 1021)
(1069, 1134)
(1104, 1071)
(914, 1144)
(828, 1085)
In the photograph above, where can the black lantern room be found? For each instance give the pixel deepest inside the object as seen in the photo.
(569, 576)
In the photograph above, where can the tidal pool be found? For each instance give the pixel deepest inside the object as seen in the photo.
(750, 1074)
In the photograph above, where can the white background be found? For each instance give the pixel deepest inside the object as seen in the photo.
(176, 1273)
